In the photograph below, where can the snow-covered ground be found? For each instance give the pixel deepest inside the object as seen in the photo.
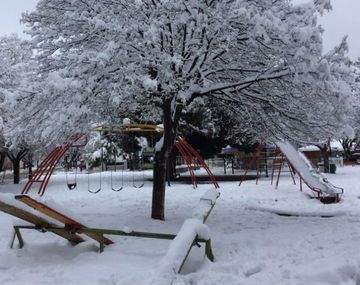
(252, 244)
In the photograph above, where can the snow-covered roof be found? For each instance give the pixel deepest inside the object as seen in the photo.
(309, 148)
(335, 145)
(229, 149)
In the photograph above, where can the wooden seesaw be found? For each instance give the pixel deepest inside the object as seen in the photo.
(71, 230)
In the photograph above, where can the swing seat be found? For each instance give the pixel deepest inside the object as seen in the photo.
(94, 192)
(140, 186)
(117, 190)
(71, 186)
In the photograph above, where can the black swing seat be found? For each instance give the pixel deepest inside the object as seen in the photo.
(117, 190)
(71, 186)
(140, 186)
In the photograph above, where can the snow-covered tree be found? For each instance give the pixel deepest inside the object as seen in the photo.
(16, 69)
(350, 137)
(157, 58)
(14, 57)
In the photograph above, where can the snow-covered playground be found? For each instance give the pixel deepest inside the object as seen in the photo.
(252, 243)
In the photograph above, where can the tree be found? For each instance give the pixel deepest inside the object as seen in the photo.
(155, 58)
(343, 97)
(16, 69)
(350, 137)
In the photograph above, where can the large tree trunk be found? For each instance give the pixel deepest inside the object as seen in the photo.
(171, 171)
(159, 186)
(160, 164)
(16, 159)
(16, 166)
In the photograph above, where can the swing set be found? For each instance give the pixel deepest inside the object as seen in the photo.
(43, 173)
(46, 168)
(70, 161)
(112, 187)
(122, 178)
(191, 157)
(42, 215)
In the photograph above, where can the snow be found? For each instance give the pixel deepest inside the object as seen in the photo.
(335, 145)
(159, 144)
(207, 201)
(171, 263)
(349, 132)
(149, 84)
(309, 148)
(9, 199)
(252, 244)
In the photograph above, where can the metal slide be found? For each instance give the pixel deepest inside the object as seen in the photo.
(325, 191)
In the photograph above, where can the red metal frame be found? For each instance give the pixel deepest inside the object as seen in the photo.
(283, 157)
(46, 168)
(252, 162)
(187, 160)
(187, 152)
(199, 160)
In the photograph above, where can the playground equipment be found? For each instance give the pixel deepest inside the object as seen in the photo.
(71, 185)
(113, 188)
(46, 168)
(43, 173)
(139, 162)
(296, 162)
(69, 162)
(323, 189)
(261, 158)
(96, 190)
(72, 230)
(189, 154)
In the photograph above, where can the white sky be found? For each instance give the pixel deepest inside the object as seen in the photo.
(343, 20)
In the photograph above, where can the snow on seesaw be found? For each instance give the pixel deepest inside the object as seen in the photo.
(308, 243)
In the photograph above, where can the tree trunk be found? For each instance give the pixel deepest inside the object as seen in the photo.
(172, 166)
(16, 166)
(30, 165)
(159, 185)
(325, 156)
(160, 163)
(16, 159)
(2, 160)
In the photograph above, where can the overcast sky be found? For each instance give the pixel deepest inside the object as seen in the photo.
(343, 20)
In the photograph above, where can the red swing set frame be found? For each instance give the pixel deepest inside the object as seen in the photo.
(46, 168)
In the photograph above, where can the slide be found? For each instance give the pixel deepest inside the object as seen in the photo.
(312, 177)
